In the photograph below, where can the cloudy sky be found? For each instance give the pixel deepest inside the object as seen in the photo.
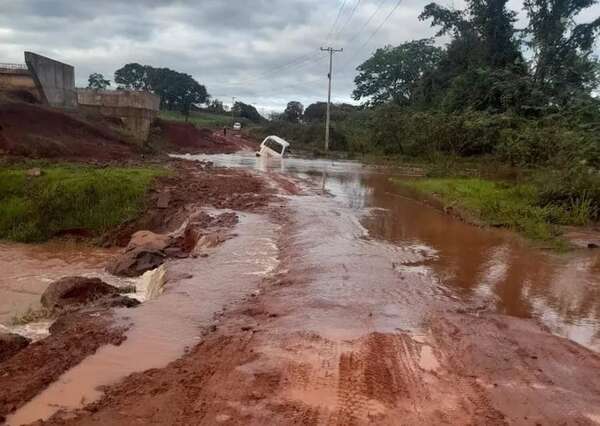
(264, 52)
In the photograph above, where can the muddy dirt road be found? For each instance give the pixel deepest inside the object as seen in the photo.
(342, 302)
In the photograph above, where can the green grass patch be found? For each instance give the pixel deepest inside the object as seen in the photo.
(204, 119)
(516, 206)
(69, 197)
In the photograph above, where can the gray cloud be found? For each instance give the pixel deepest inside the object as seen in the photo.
(264, 52)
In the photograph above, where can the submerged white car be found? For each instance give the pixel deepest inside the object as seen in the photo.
(237, 126)
(273, 146)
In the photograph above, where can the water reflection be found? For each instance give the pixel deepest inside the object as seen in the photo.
(487, 265)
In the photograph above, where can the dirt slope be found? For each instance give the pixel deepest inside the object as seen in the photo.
(38, 132)
(186, 138)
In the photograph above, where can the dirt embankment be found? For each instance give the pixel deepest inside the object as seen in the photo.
(73, 338)
(185, 138)
(173, 200)
(190, 187)
(34, 131)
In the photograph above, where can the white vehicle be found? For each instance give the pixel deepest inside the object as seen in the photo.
(273, 146)
(237, 126)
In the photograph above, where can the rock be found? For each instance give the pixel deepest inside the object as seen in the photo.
(134, 263)
(70, 291)
(593, 246)
(35, 172)
(10, 344)
(145, 251)
(117, 302)
(149, 240)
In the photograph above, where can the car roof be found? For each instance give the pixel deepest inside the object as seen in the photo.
(279, 140)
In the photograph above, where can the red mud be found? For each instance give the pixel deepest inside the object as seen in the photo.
(189, 188)
(187, 138)
(38, 132)
(258, 366)
(73, 338)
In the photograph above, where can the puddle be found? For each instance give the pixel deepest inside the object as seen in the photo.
(481, 265)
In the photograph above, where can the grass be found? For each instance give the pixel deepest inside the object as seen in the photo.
(204, 119)
(511, 205)
(69, 197)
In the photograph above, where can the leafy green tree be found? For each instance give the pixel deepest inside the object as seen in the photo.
(243, 110)
(316, 111)
(177, 91)
(486, 26)
(216, 107)
(133, 76)
(294, 112)
(97, 81)
(564, 65)
(393, 74)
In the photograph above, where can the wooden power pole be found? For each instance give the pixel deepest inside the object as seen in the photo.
(327, 121)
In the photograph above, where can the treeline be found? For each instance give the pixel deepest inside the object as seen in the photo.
(526, 97)
(178, 91)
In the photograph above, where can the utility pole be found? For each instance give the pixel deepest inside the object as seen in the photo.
(331, 52)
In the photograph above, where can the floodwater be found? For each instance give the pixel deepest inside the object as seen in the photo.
(371, 260)
(28, 269)
(162, 328)
(490, 267)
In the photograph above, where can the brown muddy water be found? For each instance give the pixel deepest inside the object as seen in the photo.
(26, 271)
(163, 327)
(493, 268)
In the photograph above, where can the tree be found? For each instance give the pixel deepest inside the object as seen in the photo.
(133, 76)
(97, 81)
(294, 111)
(177, 91)
(486, 25)
(216, 106)
(247, 111)
(564, 65)
(316, 111)
(188, 92)
(392, 74)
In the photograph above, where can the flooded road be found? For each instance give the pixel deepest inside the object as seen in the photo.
(492, 267)
(162, 328)
(344, 301)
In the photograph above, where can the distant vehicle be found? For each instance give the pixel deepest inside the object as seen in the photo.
(237, 126)
(273, 146)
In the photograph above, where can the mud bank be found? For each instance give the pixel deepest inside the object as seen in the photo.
(351, 330)
(73, 338)
(185, 193)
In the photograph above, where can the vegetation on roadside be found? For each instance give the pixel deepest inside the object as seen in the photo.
(527, 207)
(494, 94)
(199, 119)
(69, 197)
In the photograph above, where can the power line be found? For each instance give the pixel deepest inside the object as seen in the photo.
(337, 18)
(352, 12)
(366, 24)
(374, 33)
(382, 24)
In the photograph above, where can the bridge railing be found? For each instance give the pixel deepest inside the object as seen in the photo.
(4, 67)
